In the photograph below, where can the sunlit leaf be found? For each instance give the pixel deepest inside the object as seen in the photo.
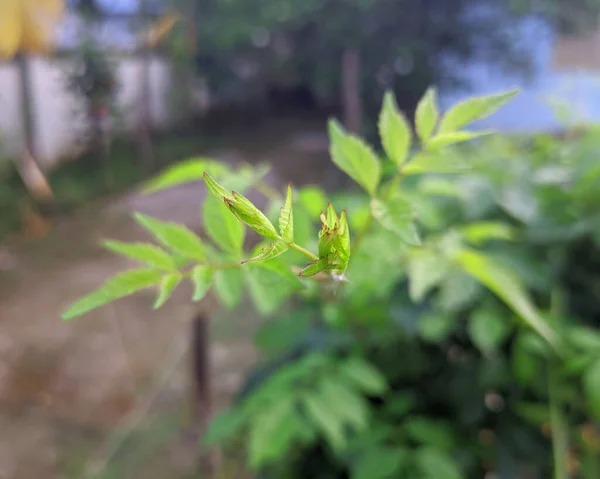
(145, 252)
(397, 216)
(272, 250)
(228, 286)
(268, 289)
(245, 211)
(349, 404)
(487, 329)
(425, 271)
(394, 130)
(438, 161)
(223, 227)
(124, 284)
(354, 157)
(174, 236)
(476, 108)
(314, 268)
(215, 188)
(426, 115)
(444, 139)
(201, 277)
(364, 376)
(167, 286)
(186, 172)
(321, 414)
(286, 218)
(478, 233)
(508, 287)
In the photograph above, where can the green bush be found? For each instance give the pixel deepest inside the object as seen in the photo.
(446, 329)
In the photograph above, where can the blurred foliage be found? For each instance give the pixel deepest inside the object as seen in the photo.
(244, 48)
(468, 383)
(459, 340)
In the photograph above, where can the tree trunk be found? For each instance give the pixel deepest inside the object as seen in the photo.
(350, 83)
(203, 391)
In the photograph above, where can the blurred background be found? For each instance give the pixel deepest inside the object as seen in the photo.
(97, 96)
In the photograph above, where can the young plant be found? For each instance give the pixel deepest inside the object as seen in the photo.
(357, 264)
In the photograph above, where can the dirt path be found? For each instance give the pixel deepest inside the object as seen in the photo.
(65, 389)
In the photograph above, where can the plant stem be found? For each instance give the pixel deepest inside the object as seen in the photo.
(560, 433)
(304, 251)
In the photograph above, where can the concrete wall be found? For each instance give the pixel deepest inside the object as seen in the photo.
(57, 114)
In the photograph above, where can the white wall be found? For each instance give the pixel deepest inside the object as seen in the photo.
(57, 114)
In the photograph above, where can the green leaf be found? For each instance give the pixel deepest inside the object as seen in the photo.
(507, 286)
(286, 218)
(281, 269)
(477, 108)
(534, 413)
(584, 338)
(394, 130)
(185, 172)
(314, 268)
(591, 386)
(525, 366)
(224, 425)
(267, 289)
(272, 250)
(480, 232)
(347, 403)
(223, 227)
(435, 327)
(426, 270)
(487, 329)
(325, 419)
(354, 157)
(436, 161)
(228, 286)
(174, 236)
(168, 285)
(270, 433)
(312, 199)
(145, 252)
(380, 463)
(426, 115)
(363, 375)
(202, 279)
(216, 189)
(440, 187)
(434, 463)
(444, 139)
(245, 211)
(397, 215)
(124, 284)
(430, 432)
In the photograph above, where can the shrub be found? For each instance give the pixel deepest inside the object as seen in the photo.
(445, 348)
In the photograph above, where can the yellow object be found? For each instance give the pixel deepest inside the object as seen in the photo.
(161, 28)
(28, 25)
